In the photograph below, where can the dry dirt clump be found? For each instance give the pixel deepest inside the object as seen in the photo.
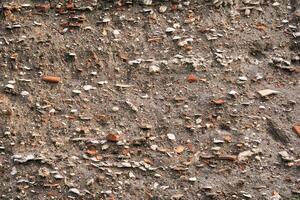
(150, 99)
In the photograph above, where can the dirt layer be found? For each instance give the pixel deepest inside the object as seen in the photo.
(150, 99)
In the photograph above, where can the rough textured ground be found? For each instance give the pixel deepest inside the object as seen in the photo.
(157, 101)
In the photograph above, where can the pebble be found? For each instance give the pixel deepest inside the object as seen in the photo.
(131, 175)
(296, 35)
(76, 91)
(193, 179)
(74, 191)
(170, 30)
(285, 156)
(216, 141)
(116, 33)
(88, 87)
(296, 129)
(74, 111)
(297, 12)
(154, 147)
(9, 86)
(102, 82)
(147, 2)
(243, 156)
(13, 171)
(94, 73)
(249, 196)
(232, 92)
(126, 164)
(51, 79)
(243, 78)
(207, 187)
(115, 109)
(163, 9)
(44, 172)
(154, 69)
(58, 176)
(267, 92)
(106, 19)
(215, 148)
(171, 136)
(24, 93)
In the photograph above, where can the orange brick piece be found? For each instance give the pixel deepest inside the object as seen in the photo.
(297, 129)
(51, 79)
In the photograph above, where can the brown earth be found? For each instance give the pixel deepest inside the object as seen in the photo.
(159, 101)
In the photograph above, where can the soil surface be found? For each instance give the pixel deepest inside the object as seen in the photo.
(150, 99)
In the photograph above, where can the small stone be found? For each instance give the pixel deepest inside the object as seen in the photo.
(193, 179)
(154, 147)
(105, 19)
(215, 148)
(216, 141)
(51, 79)
(285, 156)
(243, 156)
(131, 175)
(90, 181)
(105, 147)
(249, 196)
(170, 30)
(243, 78)
(12, 82)
(113, 137)
(163, 9)
(71, 54)
(10, 86)
(247, 12)
(219, 101)
(13, 171)
(126, 164)
(115, 109)
(154, 69)
(177, 196)
(116, 33)
(297, 13)
(192, 78)
(74, 111)
(227, 157)
(275, 196)
(146, 126)
(44, 172)
(132, 106)
(179, 149)
(58, 176)
(76, 91)
(207, 187)
(94, 73)
(176, 37)
(262, 107)
(88, 87)
(198, 121)
(267, 92)
(232, 92)
(102, 82)
(296, 129)
(134, 62)
(147, 2)
(24, 93)
(74, 191)
(171, 136)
